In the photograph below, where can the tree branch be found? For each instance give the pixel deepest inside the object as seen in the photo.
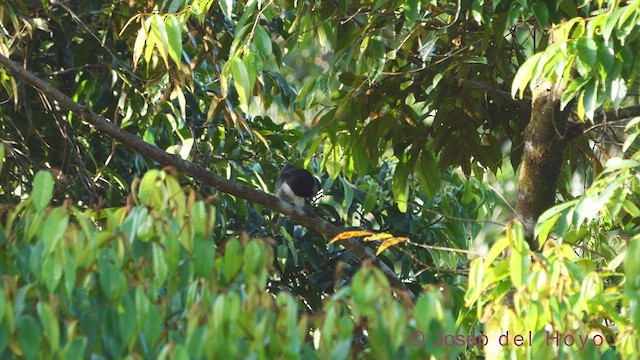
(603, 119)
(613, 115)
(204, 176)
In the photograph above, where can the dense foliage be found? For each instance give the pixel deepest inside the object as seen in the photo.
(404, 110)
(151, 282)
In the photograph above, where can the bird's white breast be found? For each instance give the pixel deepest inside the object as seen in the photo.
(285, 193)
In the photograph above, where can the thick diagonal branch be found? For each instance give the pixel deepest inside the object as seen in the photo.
(199, 173)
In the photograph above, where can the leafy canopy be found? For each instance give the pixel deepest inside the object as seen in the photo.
(406, 111)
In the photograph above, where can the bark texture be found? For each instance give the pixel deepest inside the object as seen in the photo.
(545, 140)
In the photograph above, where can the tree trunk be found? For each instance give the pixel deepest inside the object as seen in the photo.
(544, 145)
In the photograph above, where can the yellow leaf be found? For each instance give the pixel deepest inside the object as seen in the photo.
(139, 45)
(580, 108)
(15, 347)
(389, 243)
(261, 138)
(381, 236)
(213, 108)
(349, 234)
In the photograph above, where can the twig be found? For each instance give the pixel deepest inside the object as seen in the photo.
(463, 219)
(503, 199)
(206, 177)
(431, 247)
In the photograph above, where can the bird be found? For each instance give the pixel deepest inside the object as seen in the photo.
(296, 186)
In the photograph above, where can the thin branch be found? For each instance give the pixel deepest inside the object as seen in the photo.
(455, 19)
(204, 176)
(605, 119)
(462, 219)
(613, 115)
(76, 69)
(255, 23)
(426, 267)
(503, 198)
(449, 249)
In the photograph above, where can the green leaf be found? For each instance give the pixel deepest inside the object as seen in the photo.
(30, 336)
(253, 259)
(153, 327)
(428, 174)
(590, 98)
(616, 163)
(541, 13)
(631, 208)
(2, 155)
(371, 199)
(55, 227)
(158, 29)
(151, 192)
(181, 353)
(543, 227)
(632, 266)
(50, 326)
(253, 64)
(564, 221)
(618, 91)
(174, 37)
(497, 248)
(127, 320)
(610, 24)
(476, 272)
(308, 92)
(151, 41)
(361, 161)
(586, 208)
(204, 254)
(75, 349)
(348, 195)
(144, 225)
(160, 270)
(363, 290)
(307, 137)
(519, 260)
(42, 192)
(282, 256)
(569, 8)
(2, 305)
(110, 277)
(142, 307)
(627, 22)
(571, 90)
(590, 288)
(525, 73)
(331, 160)
(138, 46)
(263, 42)
(227, 7)
(175, 6)
(51, 272)
(69, 274)
(198, 215)
(587, 52)
(232, 261)
(348, 78)
(241, 82)
(412, 10)
(400, 186)
(579, 29)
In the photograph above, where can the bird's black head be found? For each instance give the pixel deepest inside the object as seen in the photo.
(295, 184)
